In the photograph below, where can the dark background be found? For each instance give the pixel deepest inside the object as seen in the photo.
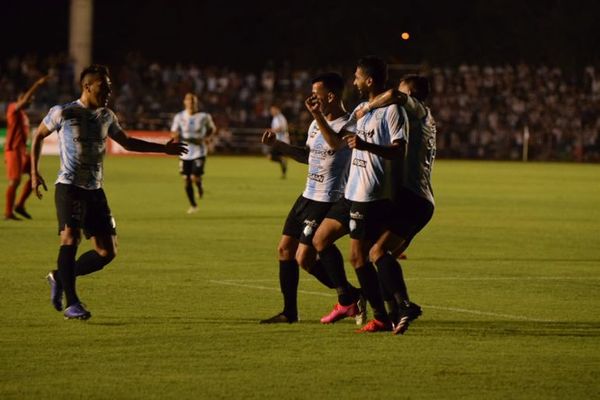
(310, 33)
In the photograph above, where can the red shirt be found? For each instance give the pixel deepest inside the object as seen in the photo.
(17, 128)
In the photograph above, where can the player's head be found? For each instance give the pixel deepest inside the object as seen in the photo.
(274, 110)
(415, 86)
(95, 85)
(190, 101)
(370, 74)
(328, 88)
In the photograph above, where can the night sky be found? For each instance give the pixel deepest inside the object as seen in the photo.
(316, 33)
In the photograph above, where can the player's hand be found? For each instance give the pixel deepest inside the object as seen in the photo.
(269, 138)
(354, 142)
(36, 182)
(175, 148)
(313, 105)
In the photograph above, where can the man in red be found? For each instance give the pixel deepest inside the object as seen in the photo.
(15, 152)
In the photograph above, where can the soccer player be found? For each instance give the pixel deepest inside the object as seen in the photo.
(412, 201)
(83, 127)
(279, 126)
(192, 128)
(15, 152)
(328, 158)
(381, 134)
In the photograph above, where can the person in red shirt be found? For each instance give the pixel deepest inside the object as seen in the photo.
(15, 152)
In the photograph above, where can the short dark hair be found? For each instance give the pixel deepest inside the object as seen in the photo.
(332, 82)
(375, 68)
(419, 86)
(101, 70)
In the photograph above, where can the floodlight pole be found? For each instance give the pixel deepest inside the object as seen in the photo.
(80, 34)
(525, 142)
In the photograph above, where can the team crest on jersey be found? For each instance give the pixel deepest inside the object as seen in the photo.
(314, 132)
(309, 227)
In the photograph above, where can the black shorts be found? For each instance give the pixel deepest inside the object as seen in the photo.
(192, 167)
(364, 220)
(304, 218)
(409, 214)
(84, 209)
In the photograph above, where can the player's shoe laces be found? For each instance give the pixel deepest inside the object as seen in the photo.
(192, 210)
(340, 312)
(375, 325)
(361, 316)
(280, 318)
(21, 211)
(77, 311)
(407, 315)
(55, 291)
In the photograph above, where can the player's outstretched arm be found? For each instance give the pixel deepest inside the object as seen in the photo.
(394, 96)
(299, 154)
(36, 150)
(133, 144)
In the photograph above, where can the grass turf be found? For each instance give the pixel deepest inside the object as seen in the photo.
(507, 273)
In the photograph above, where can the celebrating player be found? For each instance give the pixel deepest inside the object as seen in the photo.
(83, 127)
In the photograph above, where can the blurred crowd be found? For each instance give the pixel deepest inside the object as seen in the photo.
(481, 111)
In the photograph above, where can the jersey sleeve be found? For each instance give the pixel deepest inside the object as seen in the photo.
(53, 118)
(396, 121)
(175, 124)
(114, 127)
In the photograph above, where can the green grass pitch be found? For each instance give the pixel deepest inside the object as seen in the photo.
(508, 273)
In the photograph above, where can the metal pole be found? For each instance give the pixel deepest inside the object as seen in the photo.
(80, 34)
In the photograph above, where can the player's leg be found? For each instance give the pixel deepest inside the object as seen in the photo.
(283, 164)
(105, 250)
(197, 173)
(13, 170)
(26, 190)
(288, 281)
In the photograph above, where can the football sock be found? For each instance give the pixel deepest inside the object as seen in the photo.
(289, 275)
(90, 262)
(392, 278)
(189, 190)
(333, 263)
(369, 282)
(10, 200)
(318, 271)
(25, 192)
(66, 272)
(199, 187)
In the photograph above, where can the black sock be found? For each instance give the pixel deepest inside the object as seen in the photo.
(318, 271)
(189, 190)
(333, 263)
(90, 262)
(66, 272)
(367, 276)
(392, 278)
(199, 187)
(289, 275)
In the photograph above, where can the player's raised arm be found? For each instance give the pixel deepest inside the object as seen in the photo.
(26, 97)
(315, 107)
(299, 154)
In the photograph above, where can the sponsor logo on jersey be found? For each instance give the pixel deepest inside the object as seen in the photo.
(316, 177)
(359, 163)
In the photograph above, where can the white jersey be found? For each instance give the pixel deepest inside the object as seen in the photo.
(279, 125)
(381, 126)
(192, 127)
(327, 168)
(82, 135)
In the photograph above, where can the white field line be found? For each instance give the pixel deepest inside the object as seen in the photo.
(453, 309)
(459, 278)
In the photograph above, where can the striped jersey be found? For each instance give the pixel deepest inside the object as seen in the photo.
(368, 173)
(279, 125)
(192, 130)
(82, 135)
(420, 152)
(327, 168)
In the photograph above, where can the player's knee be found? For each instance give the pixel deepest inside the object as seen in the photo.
(376, 252)
(107, 254)
(14, 182)
(304, 262)
(285, 253)
(319, 242)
